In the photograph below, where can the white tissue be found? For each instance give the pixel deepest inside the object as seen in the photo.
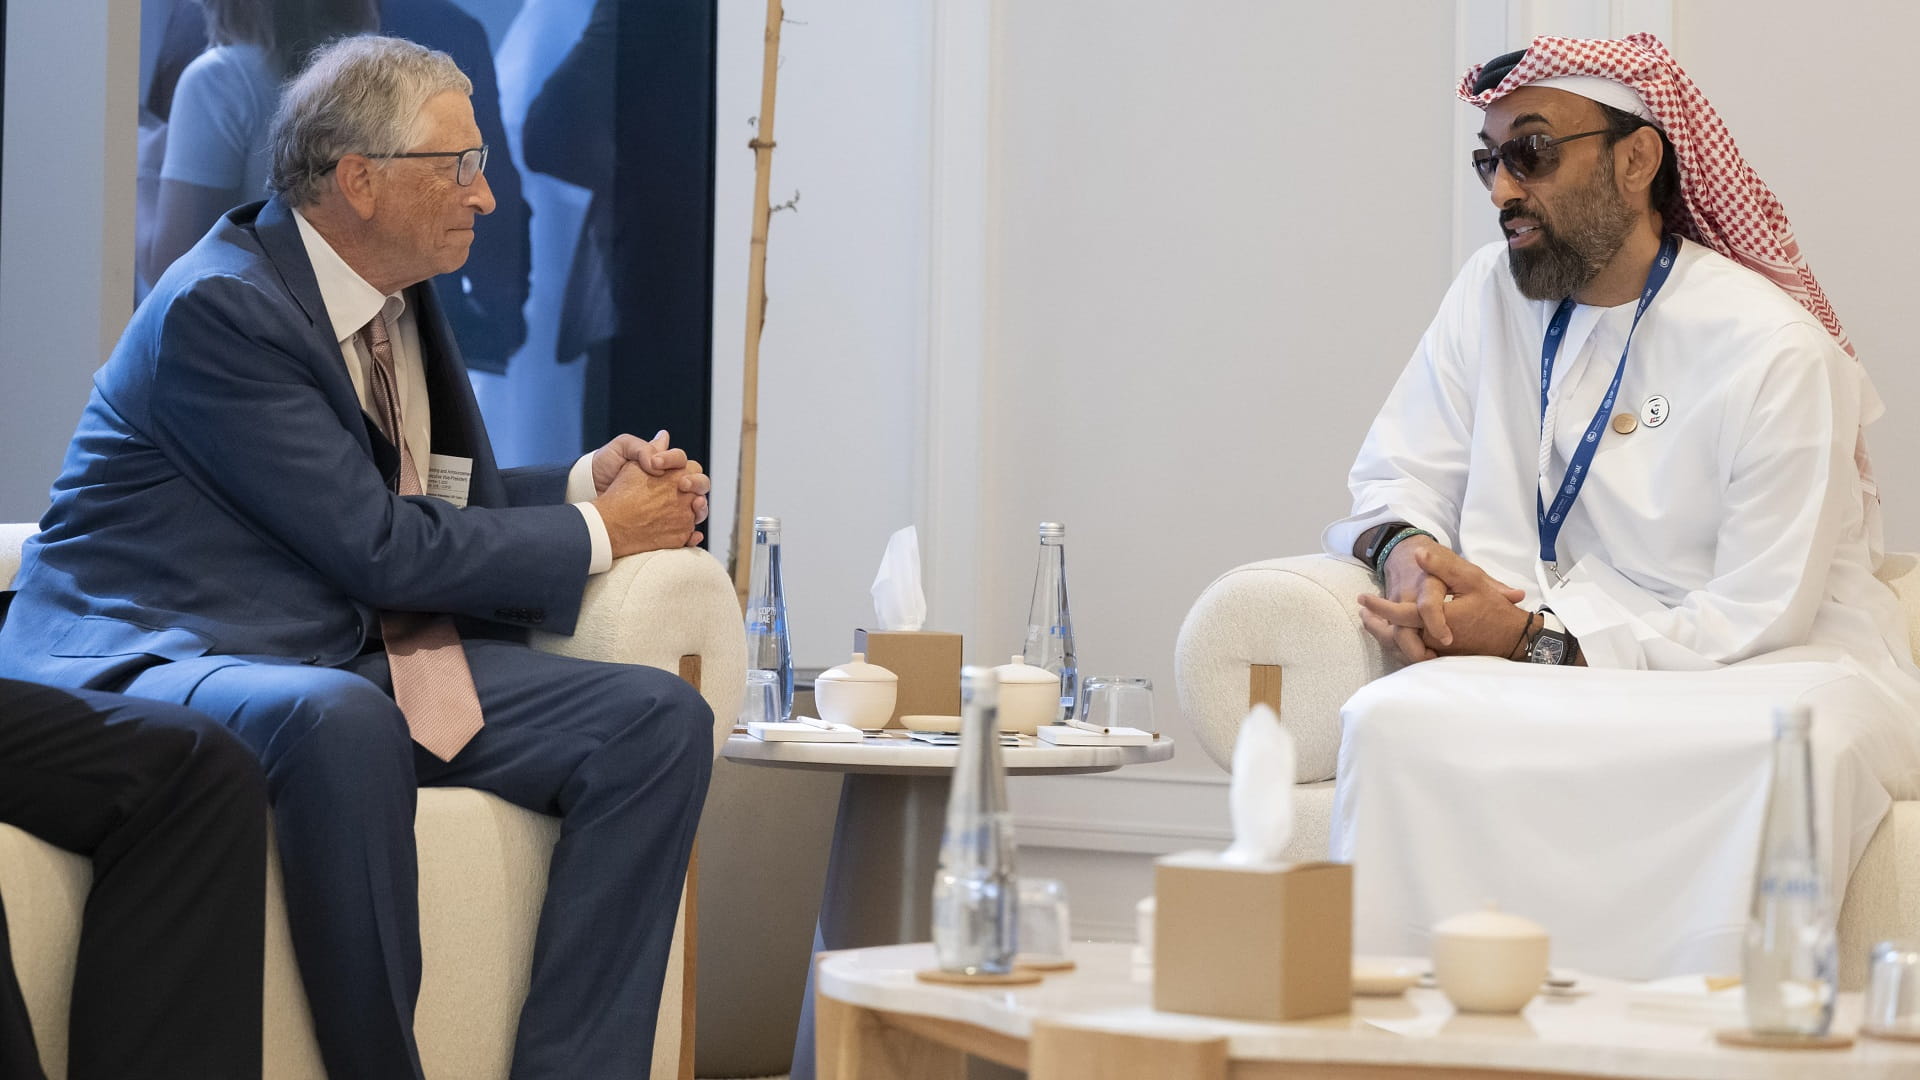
(898, 601)
(1260, 793)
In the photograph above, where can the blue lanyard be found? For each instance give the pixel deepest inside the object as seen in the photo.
(1551, 518)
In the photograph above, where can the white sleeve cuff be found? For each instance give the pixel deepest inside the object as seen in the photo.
(602, 559)
(1338, 538)
(580, 481)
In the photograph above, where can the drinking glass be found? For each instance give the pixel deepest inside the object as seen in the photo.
(1114, 701)
(1044, 926)
(1893, 991)
(761, 705)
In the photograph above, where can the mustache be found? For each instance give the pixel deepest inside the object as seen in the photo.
(1521, 210)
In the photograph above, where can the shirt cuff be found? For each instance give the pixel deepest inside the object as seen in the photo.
(580, 481)
(1338, 538)
(602, 558)
(581, 493)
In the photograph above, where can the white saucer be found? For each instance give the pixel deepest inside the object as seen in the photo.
(1375, 978)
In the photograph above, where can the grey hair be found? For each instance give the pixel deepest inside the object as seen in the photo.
(359, 95)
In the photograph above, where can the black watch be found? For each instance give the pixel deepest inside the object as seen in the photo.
(1371, 556)
(1552, 644)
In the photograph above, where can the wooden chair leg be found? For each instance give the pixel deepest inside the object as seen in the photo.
(1263, 686)
(690, 934)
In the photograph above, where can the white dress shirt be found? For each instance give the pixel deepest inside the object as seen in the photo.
(351, 303)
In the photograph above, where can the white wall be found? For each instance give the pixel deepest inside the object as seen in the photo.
(1213, 250)
(845, 340)
(66, 235)
(1816, 97)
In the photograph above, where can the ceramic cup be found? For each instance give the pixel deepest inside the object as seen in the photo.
(1489, 961)
(1029, 696)
(856, 693)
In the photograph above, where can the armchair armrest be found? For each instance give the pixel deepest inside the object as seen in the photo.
(1286, 629)
(661, 608)
(13, 536)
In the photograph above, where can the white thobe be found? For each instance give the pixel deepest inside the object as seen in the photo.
(1716, 564)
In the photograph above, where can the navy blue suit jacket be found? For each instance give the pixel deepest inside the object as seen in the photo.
(225, 493)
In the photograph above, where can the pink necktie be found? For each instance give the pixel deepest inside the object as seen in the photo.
(431, 681)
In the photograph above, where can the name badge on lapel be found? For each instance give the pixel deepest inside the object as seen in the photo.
(448, 477)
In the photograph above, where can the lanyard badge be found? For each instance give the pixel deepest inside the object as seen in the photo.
(1552, 517)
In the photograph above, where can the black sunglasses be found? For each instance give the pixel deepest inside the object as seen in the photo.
(1528, 157)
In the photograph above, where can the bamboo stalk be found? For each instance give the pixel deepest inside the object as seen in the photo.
(741, 555)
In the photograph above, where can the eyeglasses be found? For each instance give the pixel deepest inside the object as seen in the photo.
(472, 162)
(1528, 157)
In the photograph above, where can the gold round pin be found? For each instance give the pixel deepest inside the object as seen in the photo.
(1625, 422)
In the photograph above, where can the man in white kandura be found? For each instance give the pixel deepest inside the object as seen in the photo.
(1622, 482)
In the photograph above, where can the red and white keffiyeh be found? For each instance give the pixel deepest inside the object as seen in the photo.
(1725, 205)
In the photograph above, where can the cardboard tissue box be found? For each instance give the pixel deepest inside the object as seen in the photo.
(928, 664)
(1242, 932)
(1252, 942)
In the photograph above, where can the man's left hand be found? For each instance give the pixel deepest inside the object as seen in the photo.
(656, 457)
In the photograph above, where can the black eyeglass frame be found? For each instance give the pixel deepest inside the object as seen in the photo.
(461, 175)
(1515, 152)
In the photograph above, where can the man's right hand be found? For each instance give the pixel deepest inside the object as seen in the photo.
(1411, 616)
(643, 512)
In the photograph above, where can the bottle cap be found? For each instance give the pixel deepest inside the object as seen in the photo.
(1052, 529)
(979, 685)
(766, 523)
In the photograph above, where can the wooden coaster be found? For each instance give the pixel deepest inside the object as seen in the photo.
(1050, 966)
(1909, 1035)
(1759, 1040)
(1015, 977)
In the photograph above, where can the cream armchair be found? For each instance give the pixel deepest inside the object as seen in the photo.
(483, 862)
(1287, 632)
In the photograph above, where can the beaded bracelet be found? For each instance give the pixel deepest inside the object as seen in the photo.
(1386, 550)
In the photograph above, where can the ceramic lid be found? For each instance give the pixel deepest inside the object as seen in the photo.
(857, 670)
(1018, 670)
(1490, 923)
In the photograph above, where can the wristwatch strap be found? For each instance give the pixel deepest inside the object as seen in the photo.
(1551, 644)
(1372, 555)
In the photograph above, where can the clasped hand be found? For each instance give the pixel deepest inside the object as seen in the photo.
(652, 495)
(1439, 604)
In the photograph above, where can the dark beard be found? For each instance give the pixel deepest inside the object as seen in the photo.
(1593, 224)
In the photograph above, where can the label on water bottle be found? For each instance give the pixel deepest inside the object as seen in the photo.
(760, 616)
(1790, 888)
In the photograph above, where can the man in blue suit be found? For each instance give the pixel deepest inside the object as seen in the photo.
(247, 523)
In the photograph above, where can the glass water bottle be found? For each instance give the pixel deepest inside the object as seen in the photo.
(768, 647)
(976, 892)
(1049, 642)
(1789, 962)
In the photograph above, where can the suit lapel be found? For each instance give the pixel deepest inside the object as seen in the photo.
(457, 425)
(279, 236)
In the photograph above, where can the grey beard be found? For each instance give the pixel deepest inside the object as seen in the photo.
(1554, 269)
(1565, 258)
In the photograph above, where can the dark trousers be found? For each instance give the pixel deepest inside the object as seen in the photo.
(620, 753)
(172, 810)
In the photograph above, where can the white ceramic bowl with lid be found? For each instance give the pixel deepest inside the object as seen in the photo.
(1029, 696)
(1489, 960)
(856, 693)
